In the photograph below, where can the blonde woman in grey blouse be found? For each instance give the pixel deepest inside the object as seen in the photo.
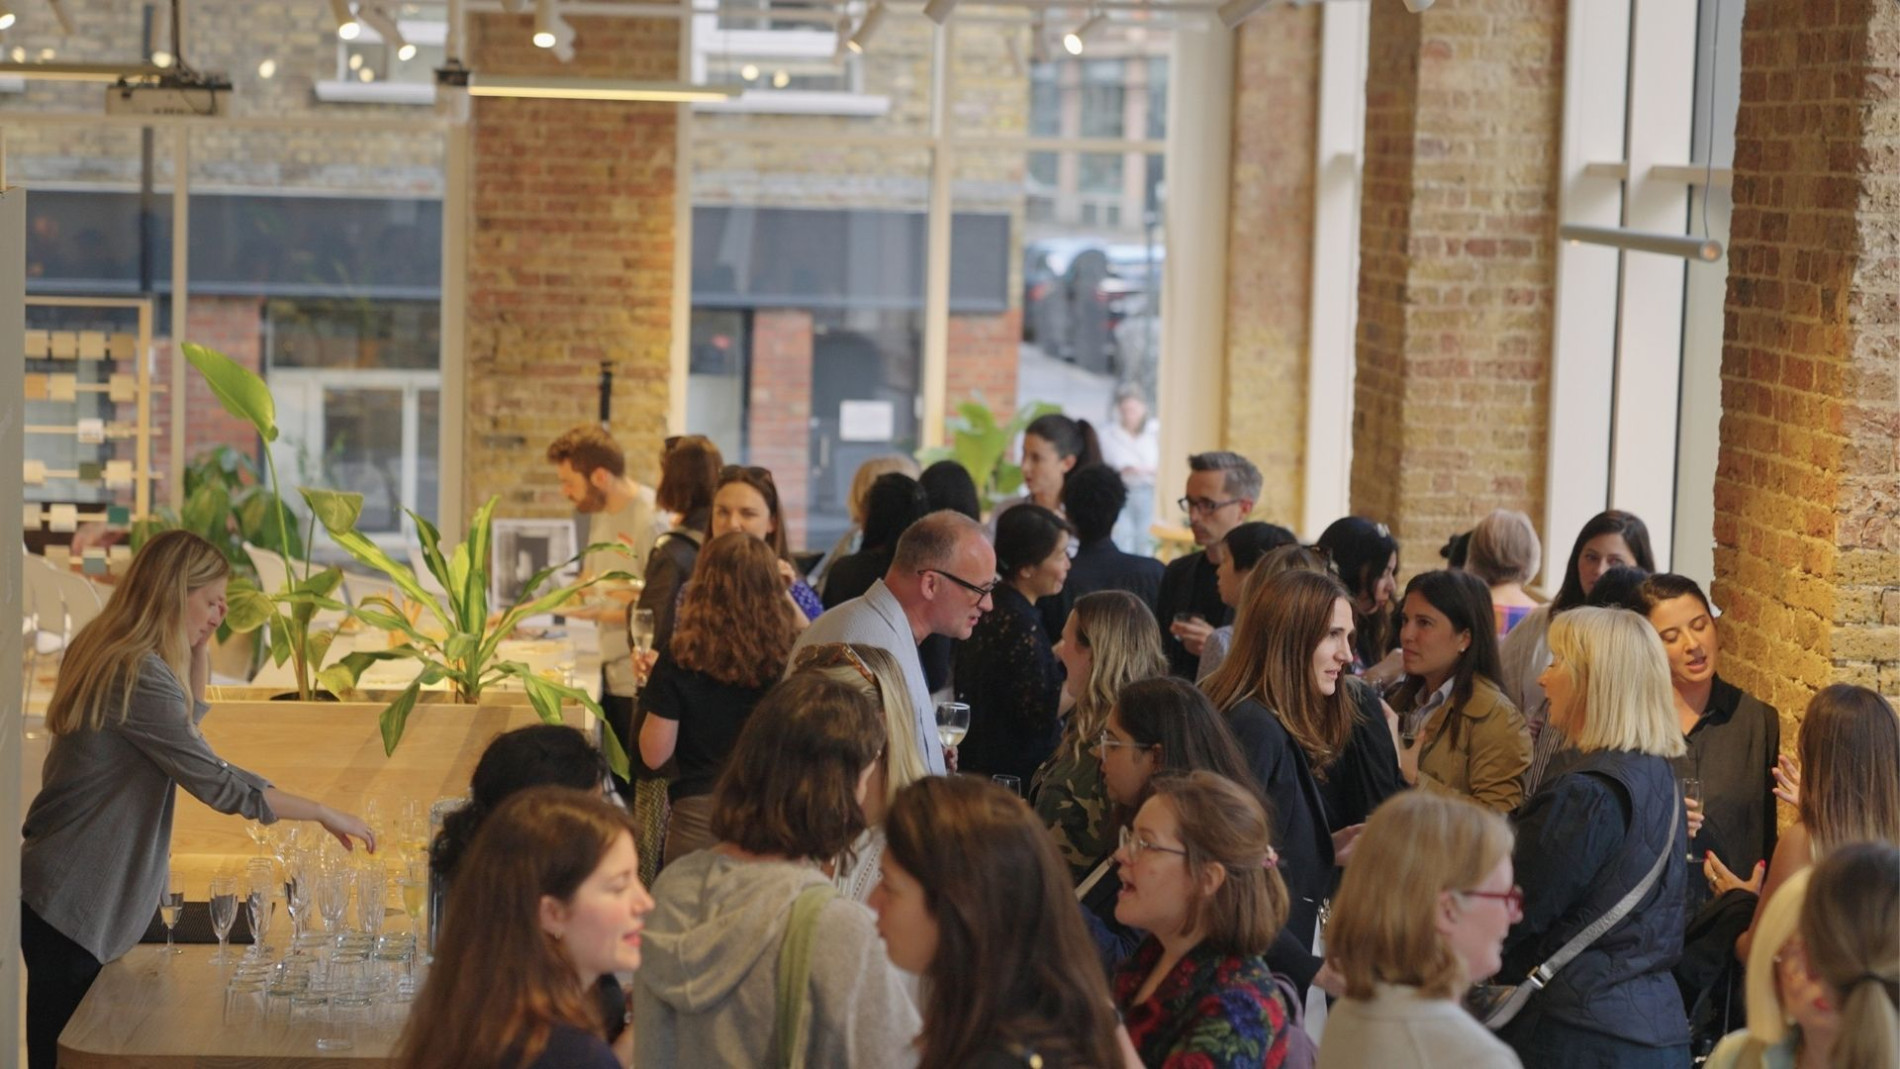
(124, 720)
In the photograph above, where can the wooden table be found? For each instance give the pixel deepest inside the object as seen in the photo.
(150, 1011)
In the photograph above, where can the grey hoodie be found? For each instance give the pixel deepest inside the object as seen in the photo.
(706, 989)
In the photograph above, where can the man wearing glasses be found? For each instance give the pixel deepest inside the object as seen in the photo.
(939, 583)
(1221, 490)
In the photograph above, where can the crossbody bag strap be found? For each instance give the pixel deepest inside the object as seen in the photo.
(1580, 942)
(794, 973)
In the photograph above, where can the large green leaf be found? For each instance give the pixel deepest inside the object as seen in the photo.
(207, 512)
(238, 388)
(547, 695)
(246, 607)
(474, 578)
(396, 717)
(337, 510)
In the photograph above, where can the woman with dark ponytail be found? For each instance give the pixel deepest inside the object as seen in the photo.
(1053, 446)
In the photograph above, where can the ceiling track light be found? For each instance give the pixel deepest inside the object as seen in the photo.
(379, 20)
(7, 17)
(1076, 40)
(544, 17)
(866, 27)
(938, 11)
(347, 27)
(59, 12)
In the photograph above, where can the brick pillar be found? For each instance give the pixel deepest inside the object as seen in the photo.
(984, 353)
(570, 256)
(1458, 258)
(1807, 491)
(235, 327)
(1270, 250)
(778, 410)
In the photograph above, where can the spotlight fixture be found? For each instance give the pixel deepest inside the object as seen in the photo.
(938, 11)
(1075, 40)
(1234, 12)
(347, 27)
(781, 79)
(866, 27)
(1703, 250)
(267, 69)
(59, 12)
(386, 28)
(544, 17)
(7, 17)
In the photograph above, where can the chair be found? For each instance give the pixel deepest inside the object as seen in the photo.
(55, 603)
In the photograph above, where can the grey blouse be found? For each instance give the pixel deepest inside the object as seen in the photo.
(98, 835)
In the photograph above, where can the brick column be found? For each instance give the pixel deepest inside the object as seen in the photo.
(1807, 491)
(570, 256)
(1457, 247)
(1270, 249)
(984, 354)
(235, 327)
(778, 409)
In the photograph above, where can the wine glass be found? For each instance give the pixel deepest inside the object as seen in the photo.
(297, 892)
(260, 890)
(1692, 798)
(369, 898)
(170, 905)
(413, 881)
(333, 899)
(953, 723)
(260, 836)
(1012, 784)
(224, 900)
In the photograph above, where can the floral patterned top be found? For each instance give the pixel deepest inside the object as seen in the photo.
(1213, 1011)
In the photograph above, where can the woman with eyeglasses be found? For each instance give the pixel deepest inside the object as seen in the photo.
(1419, 917)
(1199, 874)
(735, 632)
(874, 673)
(1156, 726)
(1109, 641)
(1007, 671)
(746, 500)
(1590, 837)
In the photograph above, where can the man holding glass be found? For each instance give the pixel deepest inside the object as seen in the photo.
(1221, 490)
(939, 583)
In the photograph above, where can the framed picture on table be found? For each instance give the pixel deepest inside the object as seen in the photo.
(523, 547)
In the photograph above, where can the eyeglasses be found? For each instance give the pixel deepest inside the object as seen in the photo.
(1133, 846)
(1513, 899)
(981, 592)
(1203, 506)
(1105, 741)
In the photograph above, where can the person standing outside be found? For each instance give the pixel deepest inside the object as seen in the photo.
(1221, 491)
(1131, 445)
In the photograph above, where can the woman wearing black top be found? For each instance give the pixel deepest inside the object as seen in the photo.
(1007, 671)
(891, 505)
(735, 634)
(1366, 558)
(1317, 739)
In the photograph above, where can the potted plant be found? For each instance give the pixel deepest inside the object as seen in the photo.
(460, 640)
(981, 445)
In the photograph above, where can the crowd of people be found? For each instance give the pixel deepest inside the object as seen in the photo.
(1258, 806)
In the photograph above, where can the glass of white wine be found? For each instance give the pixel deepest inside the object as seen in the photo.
(171, 905)
(953, 723)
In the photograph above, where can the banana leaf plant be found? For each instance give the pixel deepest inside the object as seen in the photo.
(453, 637)
(981, 445)
(290, 611)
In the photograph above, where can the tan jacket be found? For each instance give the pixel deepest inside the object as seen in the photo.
(1484, 757)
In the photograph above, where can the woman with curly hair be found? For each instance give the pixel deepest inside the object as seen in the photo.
(735, 633)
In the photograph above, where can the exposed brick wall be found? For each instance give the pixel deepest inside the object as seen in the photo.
(1807, 490)
(983, 360)
(778, 411)
(1457, 246)
(234, 327)
(570, 257)
(1270, 249)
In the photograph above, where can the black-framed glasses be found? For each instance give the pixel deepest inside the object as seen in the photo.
(1203, 505)
(1513, 899)
(981, 592)
(1132, 845)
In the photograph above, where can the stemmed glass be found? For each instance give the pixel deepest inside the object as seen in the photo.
(297, 892)
(224, 899)
(953, 723)
(260, 879)
(170, 905)
(369, 898)
(333, 899)
(413, 881)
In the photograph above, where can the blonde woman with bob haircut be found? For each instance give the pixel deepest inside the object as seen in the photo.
(1420, 916)
(874, 673)
(124, 720)
(1590, 836)
(1109, 641)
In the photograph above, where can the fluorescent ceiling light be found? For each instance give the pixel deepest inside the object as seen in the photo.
(938, 11)
(1704, 250)
(1073, 41)
(386, 28)
(81, 72)
(1234, 12)
(346, 25)
(488, 85)
(866, 28)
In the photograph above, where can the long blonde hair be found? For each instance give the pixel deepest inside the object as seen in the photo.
(1618, 668)
(145, 615)
(1416, 847)
(1124, 645)
(848, 662)
(1850, 922)
(1779, 922)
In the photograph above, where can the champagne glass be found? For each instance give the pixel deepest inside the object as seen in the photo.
(297, 891)
(333, 899)
(170, 905)
(1692, 798)
(369, 898)
(953, 723)
(224, 900)
(260, 836)
(414, 884)
(260, 890)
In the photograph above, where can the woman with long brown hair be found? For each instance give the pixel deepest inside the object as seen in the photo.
(974, 900)
(549, 900)
(124, 719)
(1109, 641)
(734, 635)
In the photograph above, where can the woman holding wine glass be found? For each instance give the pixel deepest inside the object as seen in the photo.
(124, 720)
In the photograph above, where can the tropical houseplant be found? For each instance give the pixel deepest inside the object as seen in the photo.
(981, 445)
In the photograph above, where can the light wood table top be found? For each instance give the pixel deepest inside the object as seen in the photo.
(150, 1011)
